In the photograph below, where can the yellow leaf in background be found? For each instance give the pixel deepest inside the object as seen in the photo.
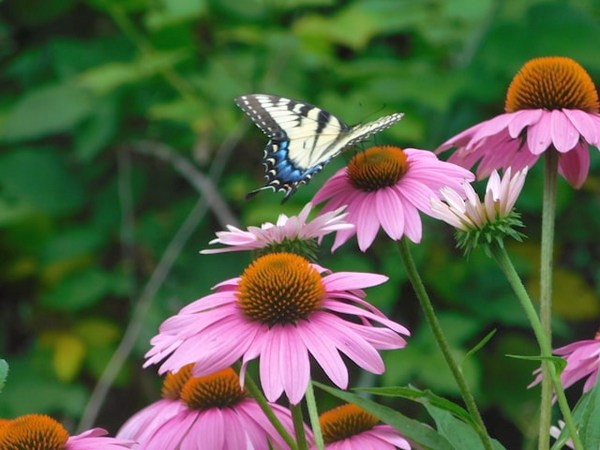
(69, 352)
(572, 297)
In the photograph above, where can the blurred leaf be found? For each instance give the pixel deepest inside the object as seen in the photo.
(410, 428)
(110, 76)
(171, 12)
(40, 178)
(34, 390)
(11, 212)
(46, 110)
(3, 373)
(68, 353)
(72, 243)
(80, 290)
(124, 5)
(458, 433)
(36, 12)
(95, 133)
(97, 332)
(366, 19)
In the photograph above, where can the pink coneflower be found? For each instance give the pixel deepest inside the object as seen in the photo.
(143, 423)
(551, 103)
(217, 414)
(349, 427)
(280, 310)
(583, 360)
(387, 187)
(287, 234)
(35, 431)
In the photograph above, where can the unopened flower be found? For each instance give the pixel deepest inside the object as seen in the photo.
(349, 427)
(386, 187)
(281, 310)
(583, 361)
(217, 414)
(551, 104)
(482, 222)
(292, 234)
(38, 431)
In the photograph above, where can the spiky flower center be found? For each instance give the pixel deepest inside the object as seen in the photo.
(304, 247)
(280, 288)
(174, 382)
(552, 83)
(33, 432)
(344, 422)
(218, 390)
(377, 168)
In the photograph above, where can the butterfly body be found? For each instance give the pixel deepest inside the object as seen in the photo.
(302, 138)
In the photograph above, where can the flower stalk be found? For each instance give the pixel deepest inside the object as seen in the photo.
(427, 306)
(546, 263)
(550, 373)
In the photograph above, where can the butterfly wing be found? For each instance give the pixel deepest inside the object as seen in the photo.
(302, 138)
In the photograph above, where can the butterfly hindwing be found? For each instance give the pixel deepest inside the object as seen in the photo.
(302, 138)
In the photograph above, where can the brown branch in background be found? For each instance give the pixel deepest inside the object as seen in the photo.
(162, 270)
(193, 175)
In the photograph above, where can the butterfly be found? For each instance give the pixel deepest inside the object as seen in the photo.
(303, 138)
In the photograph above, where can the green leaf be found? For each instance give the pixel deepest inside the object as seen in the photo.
(107, 77)
(3, 373)
(559, 363)
(410, 428)
(460, 435)
(479, 346)
(80, 290)
(41, 179)
(589, 427)
(47, 110)
(171, 12)
(423, 397)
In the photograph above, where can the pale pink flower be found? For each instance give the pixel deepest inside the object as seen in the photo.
(556, 430)
(465, 211)
(96, 439)
(349, 427)
(386, 187)
(281, 310)
(216, 414)
(551, 103)
(286, 228)
(583, 361)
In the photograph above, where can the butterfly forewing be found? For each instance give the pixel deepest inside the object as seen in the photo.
(303, 138)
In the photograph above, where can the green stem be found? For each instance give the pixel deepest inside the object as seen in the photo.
(313, 413)
(257, 395)
(299, 426)
(548, 217)
(417, 283)
(512, 276)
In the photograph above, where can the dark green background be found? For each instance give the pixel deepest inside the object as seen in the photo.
(93, 92)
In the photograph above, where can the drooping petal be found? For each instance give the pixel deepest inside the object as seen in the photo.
(564, 134)
(575, 165)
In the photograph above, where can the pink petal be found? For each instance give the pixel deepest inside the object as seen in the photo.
(386, 205)
(575, 164)
(412, 224)
(326, 355)
(564, 134)
(588, 124)
(523, 119)
(367, 225)
(340, 281)
(492, 126)
(538, 135)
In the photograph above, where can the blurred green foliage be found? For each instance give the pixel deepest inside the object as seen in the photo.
(92, 90)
